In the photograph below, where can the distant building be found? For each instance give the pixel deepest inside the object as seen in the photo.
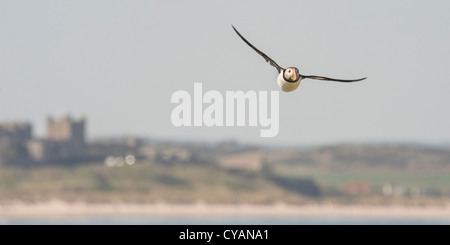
(251, 160)
(64, 143)
(393, 190)
(13, 136)
(65, 140)
(357, 188)
(167, 154)
(66, 130)
(41, 150)
(16, 131)
(115, 147)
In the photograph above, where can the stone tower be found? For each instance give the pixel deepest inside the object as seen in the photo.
(66, 130)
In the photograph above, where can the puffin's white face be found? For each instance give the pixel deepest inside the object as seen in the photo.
(291, 74)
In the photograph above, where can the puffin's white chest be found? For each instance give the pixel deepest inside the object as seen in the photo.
(287, 86)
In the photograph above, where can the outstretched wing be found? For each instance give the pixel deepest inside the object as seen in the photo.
(333, 79)
(273, 63)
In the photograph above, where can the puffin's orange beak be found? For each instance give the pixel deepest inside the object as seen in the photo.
(294, 75)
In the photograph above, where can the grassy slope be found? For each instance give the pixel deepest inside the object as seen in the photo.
(141, 182)
(376, 177)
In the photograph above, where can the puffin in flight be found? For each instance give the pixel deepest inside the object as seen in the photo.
(289, 78)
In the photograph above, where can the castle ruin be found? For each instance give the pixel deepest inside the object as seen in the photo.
(65, 140)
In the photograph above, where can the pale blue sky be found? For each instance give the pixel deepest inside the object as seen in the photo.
(118, 62)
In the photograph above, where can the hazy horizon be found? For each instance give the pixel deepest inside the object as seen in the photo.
(117, 63)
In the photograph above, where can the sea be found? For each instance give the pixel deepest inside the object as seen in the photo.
(253, 220)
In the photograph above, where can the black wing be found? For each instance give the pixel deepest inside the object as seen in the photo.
(273, 63)
(332, 79)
